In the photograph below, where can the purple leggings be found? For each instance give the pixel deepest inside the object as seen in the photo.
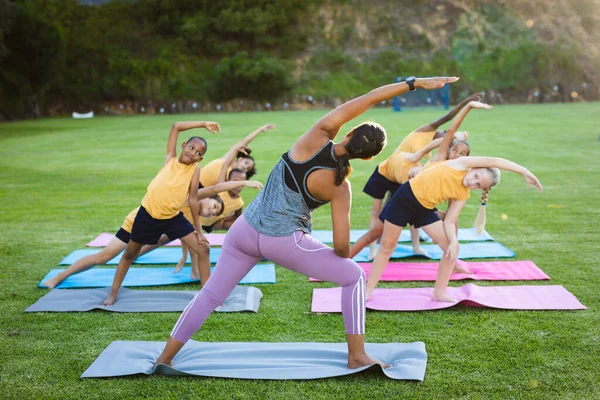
(300, 252)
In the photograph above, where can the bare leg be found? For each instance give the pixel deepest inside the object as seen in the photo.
(195, 265)
(372, 234)
(416, 241)
(183, 259)
(376, 207)
(203, 252)
(388, 244)
(129, 255)
(164, 239)
(436, 231)
(114, 247)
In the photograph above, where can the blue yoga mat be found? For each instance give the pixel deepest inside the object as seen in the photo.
(103, 277)
(467, 250)
(163, 255)
(464, 235)
(247, 360)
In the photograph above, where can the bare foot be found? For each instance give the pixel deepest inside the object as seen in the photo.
(459, 268)
(194, 276)
(179, 266)
(369, 294)
(419, 250)
(364, 360)
(110, 300)
(163, 361)
(443, 297)
(52, 283)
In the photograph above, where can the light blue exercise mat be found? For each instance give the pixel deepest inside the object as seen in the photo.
(464, 235)
(162, 255)
(243, 298)
(273, 361)
(467, 250)
(139, 276)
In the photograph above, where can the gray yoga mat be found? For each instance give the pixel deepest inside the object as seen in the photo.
(243, 298)
(248, 360)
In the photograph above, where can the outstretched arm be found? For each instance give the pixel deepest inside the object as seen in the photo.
(448, 117)
(463, 163)
(233, 151)
(225, 187)
(330, 124)
(447, 139)
(177, 127)
(419, 154)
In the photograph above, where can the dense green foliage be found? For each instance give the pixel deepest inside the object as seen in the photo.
(64, 181)
(57, 56)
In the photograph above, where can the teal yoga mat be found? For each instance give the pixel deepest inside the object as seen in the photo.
(467, 250)
(138, 276)
(162, 255)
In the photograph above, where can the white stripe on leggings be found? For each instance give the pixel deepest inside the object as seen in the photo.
(358, 316)
(183, 315)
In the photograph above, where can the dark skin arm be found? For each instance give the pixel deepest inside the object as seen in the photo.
(448, 117)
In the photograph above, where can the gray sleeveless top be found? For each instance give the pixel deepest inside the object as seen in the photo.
(285, 205)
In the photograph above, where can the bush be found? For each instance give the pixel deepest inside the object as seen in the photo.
(259, 78)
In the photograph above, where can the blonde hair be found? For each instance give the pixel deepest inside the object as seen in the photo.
(480, 219)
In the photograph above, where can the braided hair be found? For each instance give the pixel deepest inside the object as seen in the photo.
(366, 141)
(480, 219)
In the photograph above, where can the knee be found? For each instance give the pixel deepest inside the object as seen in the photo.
(130, 254)
(357, 274)
(387, 246)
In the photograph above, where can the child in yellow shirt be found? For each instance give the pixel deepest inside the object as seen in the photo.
(160, 210)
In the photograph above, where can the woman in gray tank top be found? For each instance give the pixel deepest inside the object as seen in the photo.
(276, 225)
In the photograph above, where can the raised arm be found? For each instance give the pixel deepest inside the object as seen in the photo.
(329, 125)
(463, 163)
(447, 139)
(178, 127)
(419, 154)
(233, 151)
(225, 187)
(448, 117)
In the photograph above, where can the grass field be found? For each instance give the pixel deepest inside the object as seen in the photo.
(64, 181)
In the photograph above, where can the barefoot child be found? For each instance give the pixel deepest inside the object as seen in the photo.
(415, 202)
(166, 195)
(384, 180)
(277, 224)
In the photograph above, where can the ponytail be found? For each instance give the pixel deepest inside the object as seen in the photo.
(342, 169)
(480, 220)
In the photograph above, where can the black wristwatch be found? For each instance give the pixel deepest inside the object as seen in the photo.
(410, 81)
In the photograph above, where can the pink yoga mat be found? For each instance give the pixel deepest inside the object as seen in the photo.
(481, 271)
(215, 239)
(551, 297)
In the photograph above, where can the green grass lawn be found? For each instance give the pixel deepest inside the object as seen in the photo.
(64, 181)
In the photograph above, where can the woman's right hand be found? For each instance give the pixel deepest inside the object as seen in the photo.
(436, 82)
(532, 180)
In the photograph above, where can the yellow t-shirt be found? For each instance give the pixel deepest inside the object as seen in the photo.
(230, 207)
(439, 183)
(431, 164)
(412, 143)
(128, 223)
(167, 192)
(396, 168)
(209, 174)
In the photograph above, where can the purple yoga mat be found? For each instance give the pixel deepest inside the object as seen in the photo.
(481, 271)
(551, 297)
(215, 239)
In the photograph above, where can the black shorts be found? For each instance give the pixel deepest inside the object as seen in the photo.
(148, 230)
(208, 228)
(378, 185)
(123, 235)
(404, 208)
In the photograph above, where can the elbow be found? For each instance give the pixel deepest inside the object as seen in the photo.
(342, 251)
